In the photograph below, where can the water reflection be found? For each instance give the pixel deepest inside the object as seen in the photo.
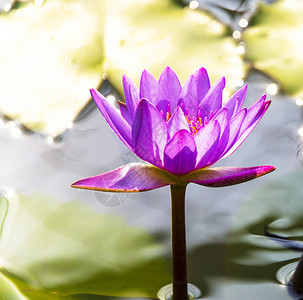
(267, 233)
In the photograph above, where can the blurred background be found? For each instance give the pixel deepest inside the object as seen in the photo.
(60, 243)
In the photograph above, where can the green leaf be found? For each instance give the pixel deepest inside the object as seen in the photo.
(57, 250)
(152, 34)
(274, 44)
(50, 56)
(9, 290)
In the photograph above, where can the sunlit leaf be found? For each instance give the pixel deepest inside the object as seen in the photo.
(52, 249)
(151, 34)
(49, 57)
(274, 43)
(9, 290)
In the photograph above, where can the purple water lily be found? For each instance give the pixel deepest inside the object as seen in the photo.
(179, 131)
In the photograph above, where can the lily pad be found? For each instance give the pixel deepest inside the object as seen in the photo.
(274, 43)
(151, 34)
(59, 250)
(49, 58)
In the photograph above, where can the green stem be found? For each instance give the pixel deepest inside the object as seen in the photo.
(297, 278)
(179, 242)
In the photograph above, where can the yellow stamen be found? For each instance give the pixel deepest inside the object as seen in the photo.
(167, 116)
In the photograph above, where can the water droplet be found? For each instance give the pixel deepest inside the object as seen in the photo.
(111, 99)
(240, 49)
(69, 125)
(272, 89)
(243, 23)
(299, 102)
(193, 4)
(50, 140)
(300, 131)
(7, 7)
(236, 34)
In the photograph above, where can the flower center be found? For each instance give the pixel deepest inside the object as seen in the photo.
(195, 122)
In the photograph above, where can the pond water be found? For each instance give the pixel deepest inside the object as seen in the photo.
(62, 243)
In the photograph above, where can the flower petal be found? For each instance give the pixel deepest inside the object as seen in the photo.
(113, 118)
(177, 122)
(171, 86)
(131, 95)
(133, 177)
(125, 113)
(180, 153)
(149, 88)
(149, 133)
(212, 101)
(243, 135)
(189, 96)
(253, 113)
(206, 140)
(203, 83)
(222, 118)
(235, 102)
(235, 125)
(225, 176)
(163, 106)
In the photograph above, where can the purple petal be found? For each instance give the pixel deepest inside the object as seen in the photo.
(125, 113)
(189, 96)
(131, 95)
(133, 177)
(180, 153)
(206, 140)
(222, 119)
(243, 135)
(149, 133)
(253, 113)
(113, 118)
(177, 122)
(235, 102)
(212, 101)
(235, 125)
(225, 176)
(203, 83)
(171, 86)
(164, 106)
(149, 88)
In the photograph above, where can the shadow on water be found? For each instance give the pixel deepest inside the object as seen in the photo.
(206, 262)
(55, 250)
(267, 232)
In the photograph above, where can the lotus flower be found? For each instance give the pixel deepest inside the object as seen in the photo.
(179, 131)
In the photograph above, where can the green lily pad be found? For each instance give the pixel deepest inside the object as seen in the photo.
(49, 58)
(274, 43)
(151, 34)
(58, 250)
(9, 290)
